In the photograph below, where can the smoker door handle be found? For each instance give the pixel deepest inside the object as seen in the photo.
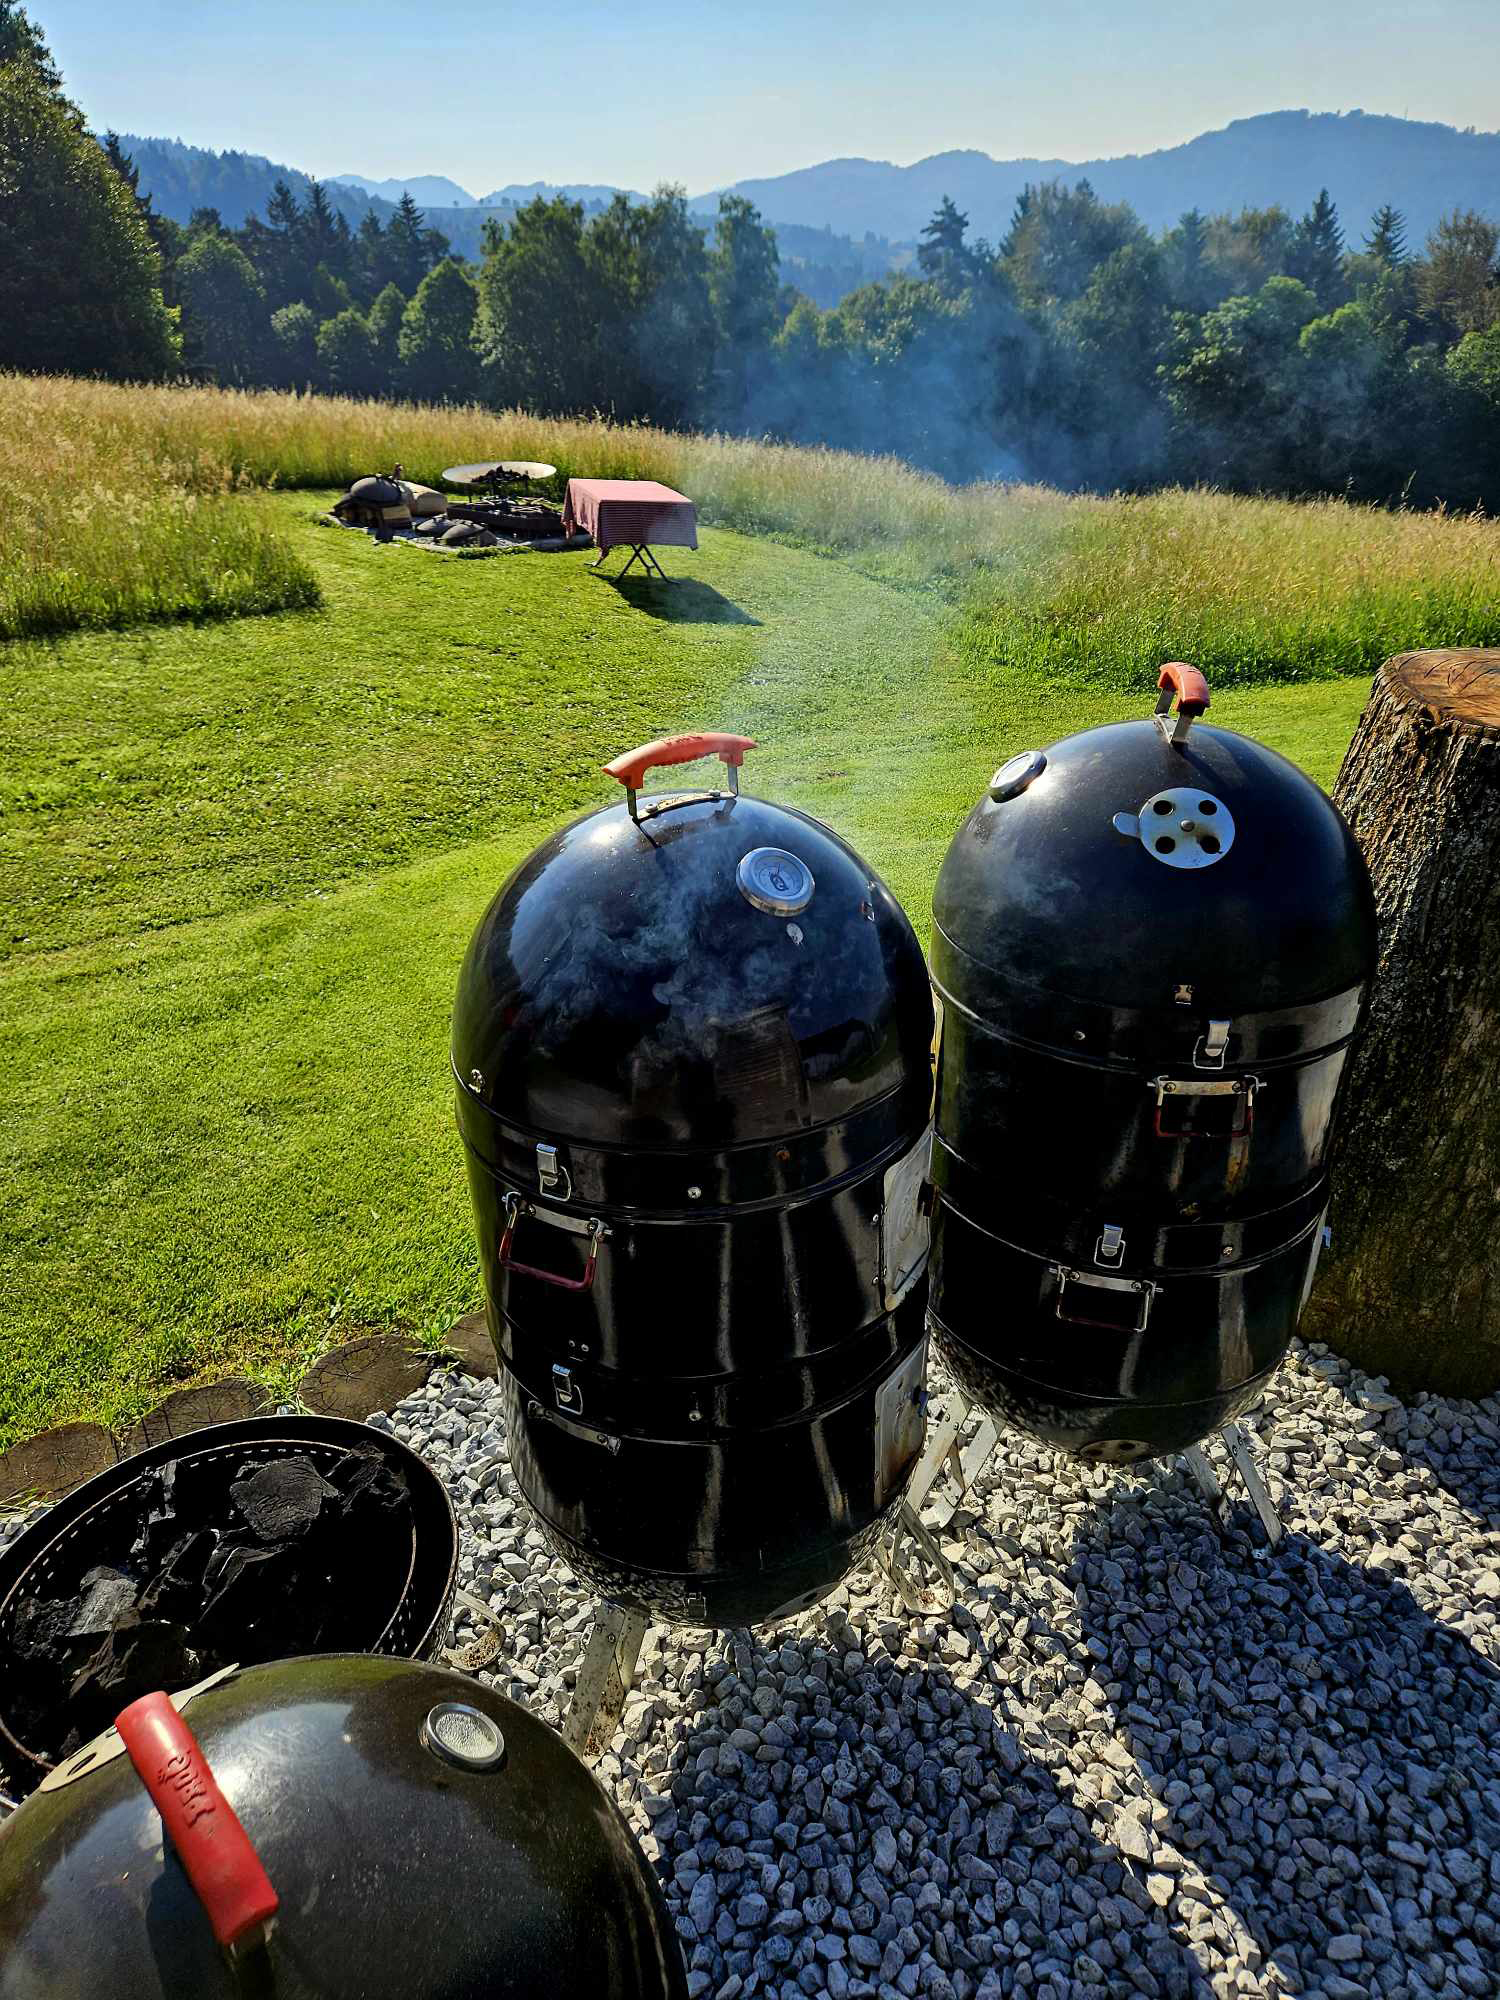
(1144, 1296)
(632, 765)
(1242, 1089)
(595, 1230)
(214, 1849)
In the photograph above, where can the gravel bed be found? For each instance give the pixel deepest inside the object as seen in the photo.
(1143, 1756)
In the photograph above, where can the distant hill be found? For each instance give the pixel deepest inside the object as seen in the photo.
(427, 190)
(518, 194)
(1279, 156)
(845, 222)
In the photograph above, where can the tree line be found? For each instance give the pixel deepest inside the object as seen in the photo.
(1256, 351)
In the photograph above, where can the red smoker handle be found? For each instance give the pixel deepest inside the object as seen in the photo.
(632, 766)
(1192, 695)
(211, 1844)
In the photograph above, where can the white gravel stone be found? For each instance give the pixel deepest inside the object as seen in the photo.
(1143, 1757)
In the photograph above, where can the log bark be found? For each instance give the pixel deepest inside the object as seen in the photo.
(1409, 1287)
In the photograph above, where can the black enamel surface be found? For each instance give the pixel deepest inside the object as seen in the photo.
(1075, 973)
(727, 1090)
(398, 1873)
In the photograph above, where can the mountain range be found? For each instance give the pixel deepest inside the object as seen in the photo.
(862, 215)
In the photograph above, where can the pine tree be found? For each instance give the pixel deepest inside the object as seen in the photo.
(942, 255)
(1387, 237)
(411, 249)
(1190, 279)
(21, 41)
(1317, 254)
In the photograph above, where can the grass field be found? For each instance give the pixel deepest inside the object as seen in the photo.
(242, 860)
(121, 514)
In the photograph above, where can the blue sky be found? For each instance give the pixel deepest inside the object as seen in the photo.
(645, 90)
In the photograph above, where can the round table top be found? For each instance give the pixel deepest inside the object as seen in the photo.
(518, 468)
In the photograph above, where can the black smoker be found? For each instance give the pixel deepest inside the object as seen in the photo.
(329, 1826)
(692, 1041)
(1152, 950)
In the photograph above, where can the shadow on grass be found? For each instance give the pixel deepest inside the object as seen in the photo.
(681, 600)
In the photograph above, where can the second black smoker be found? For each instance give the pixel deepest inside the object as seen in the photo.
(1153, 944)
(692, 1043)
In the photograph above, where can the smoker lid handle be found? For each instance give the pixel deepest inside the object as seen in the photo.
(212, 1846)
(1192, 688)
(631, 767)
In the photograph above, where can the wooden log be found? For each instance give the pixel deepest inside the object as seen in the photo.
(1410, 1285)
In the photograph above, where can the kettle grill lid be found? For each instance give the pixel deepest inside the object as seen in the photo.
(423, 1836)
(692, 968)
(1055, 881)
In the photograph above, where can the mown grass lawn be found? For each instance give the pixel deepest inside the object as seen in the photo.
(241, 861)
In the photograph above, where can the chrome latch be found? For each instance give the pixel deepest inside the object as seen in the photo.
(552, 1177)
(565, 1391)
(1110, 1249)
(1209, 1054)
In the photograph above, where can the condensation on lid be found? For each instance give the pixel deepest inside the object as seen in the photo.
(464, 1736)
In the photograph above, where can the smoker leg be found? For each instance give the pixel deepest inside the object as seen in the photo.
(604, 1680)
(1203, 1474)
(944, 1422)
(909, 1529)
(1255, 1486)
(1238, 1447)
(966, 1466)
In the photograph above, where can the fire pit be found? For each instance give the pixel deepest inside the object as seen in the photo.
(241, 1543)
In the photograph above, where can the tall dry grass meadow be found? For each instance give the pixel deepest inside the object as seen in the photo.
(137, 506)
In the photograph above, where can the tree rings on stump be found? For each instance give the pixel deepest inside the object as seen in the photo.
(194, 1410)
(47, 1467)
(373, 1373)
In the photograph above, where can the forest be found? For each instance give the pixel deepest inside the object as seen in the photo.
(1255, 352)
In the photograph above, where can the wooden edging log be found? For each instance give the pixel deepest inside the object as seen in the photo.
(1410, 1285)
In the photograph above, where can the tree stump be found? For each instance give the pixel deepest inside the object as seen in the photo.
(1410, 1286)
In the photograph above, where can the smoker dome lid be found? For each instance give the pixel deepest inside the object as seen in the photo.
(398, 1868)
(377, 491)
(1056, 887)
(634, 982)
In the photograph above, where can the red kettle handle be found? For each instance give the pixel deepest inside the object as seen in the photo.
(631, 767)
(212, 1846)
(1192, 688)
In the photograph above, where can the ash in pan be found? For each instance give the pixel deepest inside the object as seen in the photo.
(214, 1563)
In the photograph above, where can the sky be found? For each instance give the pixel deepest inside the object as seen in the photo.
(641, 91)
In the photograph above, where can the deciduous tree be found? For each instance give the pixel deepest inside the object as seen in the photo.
(80, 279)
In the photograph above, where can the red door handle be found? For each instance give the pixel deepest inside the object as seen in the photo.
(213, 1847)
(514, 1209)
